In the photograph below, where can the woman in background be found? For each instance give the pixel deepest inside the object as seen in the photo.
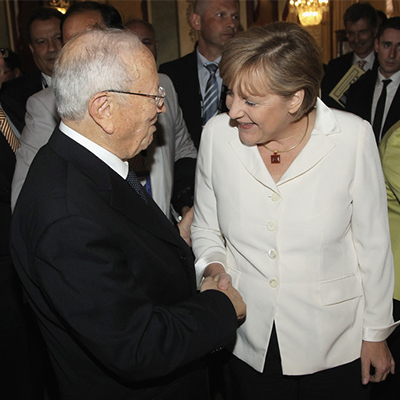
(290, 206)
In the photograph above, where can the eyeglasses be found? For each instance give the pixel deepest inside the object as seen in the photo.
(4, 53)
(159, 98)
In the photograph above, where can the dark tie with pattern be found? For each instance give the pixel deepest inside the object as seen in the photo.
(380, 108)
(212, 96)
(8, 132)
(361, 64)
(135, 184)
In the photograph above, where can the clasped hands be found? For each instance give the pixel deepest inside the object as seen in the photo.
(217, 279)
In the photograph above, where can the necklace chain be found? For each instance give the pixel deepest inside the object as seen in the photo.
(275, 158)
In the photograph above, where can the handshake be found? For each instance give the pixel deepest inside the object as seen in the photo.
(217, 279)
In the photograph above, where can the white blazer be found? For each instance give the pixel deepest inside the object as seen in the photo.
(171, 142)
(310, 252)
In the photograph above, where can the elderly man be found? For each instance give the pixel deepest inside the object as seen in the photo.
(196, 75)
(109, 278)
(44, 34)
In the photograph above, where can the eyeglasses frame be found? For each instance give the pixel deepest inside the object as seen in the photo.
(159, 98)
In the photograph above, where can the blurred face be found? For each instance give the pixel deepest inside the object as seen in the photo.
(45, 43)
(7, 74)
(135, 129)
(78, 23)
(388, 49)
(361, 37)
(218, 24)
(260, 119)
(145, 36)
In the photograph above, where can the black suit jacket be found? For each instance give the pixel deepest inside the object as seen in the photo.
(335, 71)
(360, 96)
(112, 283)
(15, 93)
(184, 75)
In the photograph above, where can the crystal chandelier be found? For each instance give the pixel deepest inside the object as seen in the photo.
(60, 5)
(309, 11)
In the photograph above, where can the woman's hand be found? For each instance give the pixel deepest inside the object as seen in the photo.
(219, 275)
(378, 356)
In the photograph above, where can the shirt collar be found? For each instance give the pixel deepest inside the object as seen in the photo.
(115, 163)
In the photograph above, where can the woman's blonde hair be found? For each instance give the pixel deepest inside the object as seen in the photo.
(280, 58)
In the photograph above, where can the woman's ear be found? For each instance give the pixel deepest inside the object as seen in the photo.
(101, 109)
(296, 101)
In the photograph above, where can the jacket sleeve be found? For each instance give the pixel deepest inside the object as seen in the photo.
(106, 308)
(40, 121)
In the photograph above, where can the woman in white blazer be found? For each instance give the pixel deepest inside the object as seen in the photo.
(290, 207)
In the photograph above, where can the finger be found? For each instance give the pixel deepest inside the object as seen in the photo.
(392, 366)
(224, 280)
(365, 368)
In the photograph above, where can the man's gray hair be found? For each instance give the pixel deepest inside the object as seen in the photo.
(91, 63)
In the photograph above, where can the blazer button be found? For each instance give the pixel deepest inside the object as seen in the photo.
(273, 254)
(275, 197)
(274, 283)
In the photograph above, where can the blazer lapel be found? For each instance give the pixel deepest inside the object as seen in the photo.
(316, 149)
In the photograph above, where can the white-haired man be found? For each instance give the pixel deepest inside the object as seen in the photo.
(110, 280)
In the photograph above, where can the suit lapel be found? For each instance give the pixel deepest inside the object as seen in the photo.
(112, 186)
(393, 114)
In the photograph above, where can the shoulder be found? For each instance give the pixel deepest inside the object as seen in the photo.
(29, 83)
(343, 61)
(179, 63)
(219, 129)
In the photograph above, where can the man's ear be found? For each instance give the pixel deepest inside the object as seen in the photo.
(101, 109)
(195, 21)
(296, 101)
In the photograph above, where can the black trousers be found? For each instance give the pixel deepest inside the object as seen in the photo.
(390, 388)
(244, 383)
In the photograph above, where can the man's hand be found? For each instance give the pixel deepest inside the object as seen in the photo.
(377, 355)
(185, 223)
(211, 283)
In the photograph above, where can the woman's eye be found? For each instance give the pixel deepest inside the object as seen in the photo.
(250, 103)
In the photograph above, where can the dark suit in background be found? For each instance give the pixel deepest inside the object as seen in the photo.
(184, 75)
(112, 283)
(335, 71)
(19, 373)
(16, 92)
(360, 97)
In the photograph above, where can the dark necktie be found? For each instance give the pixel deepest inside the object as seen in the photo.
(135, 184)
(380, 107)
(8, 132)
(212, 96)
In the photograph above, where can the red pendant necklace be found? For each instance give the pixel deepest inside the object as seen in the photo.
(275, 157)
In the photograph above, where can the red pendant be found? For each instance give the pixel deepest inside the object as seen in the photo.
(275, 158)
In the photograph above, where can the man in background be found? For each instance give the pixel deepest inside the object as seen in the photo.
(41, 116)
(375, 97)
(10, 67)
(44, 36)
(360, 21)
(196, 75)
(171, 157)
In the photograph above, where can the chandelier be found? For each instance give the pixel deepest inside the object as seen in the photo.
(60, 5)
(309, 11)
